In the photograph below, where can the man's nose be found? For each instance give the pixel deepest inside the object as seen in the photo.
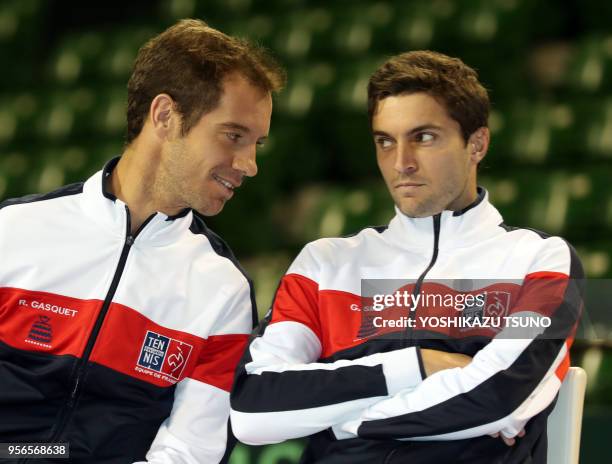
(405, 159)
(245, 162)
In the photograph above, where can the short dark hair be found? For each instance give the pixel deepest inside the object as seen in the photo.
(449, 80)
(189, 61)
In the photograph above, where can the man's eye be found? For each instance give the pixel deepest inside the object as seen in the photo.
(383, 142)
(260, 143)
(425, 137)
(233, 136)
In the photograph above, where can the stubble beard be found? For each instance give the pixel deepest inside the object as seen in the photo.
(431, 204)
(424, 208)
(173, 180)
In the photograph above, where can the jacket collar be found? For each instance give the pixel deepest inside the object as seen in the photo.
(475, 223)
(111, 213)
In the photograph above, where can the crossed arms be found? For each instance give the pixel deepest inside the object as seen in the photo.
(283, 392)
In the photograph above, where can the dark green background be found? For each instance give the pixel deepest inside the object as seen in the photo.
(547, 64)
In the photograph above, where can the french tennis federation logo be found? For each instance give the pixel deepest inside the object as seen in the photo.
(164, 355)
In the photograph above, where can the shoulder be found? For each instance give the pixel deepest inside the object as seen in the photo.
(333, 251)
(228, 273)
(548, 252)
(220, 248)
(62, 192)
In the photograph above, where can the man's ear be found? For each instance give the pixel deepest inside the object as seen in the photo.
(478, 144)
(163, 116)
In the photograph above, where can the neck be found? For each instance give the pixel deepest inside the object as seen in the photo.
(133, 181)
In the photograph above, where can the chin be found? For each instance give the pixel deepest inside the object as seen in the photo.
(211, 209)
(417, 210)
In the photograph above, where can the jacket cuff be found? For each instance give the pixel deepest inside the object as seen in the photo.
(402, 369)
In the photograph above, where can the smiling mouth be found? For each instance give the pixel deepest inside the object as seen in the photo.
(226, 183)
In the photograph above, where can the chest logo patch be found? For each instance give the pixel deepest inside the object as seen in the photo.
(498, 303)
(165, 355)
(41, 331)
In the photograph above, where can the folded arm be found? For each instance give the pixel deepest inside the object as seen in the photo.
(508, 382)
(282, 392)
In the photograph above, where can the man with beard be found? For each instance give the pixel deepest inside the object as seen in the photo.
(123, 316)
(386, 387)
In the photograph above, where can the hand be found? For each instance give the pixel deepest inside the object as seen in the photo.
(434, 360)
(508, 441)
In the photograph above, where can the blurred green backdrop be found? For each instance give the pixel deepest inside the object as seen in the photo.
(547, 64)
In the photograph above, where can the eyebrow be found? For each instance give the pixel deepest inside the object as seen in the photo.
(412, 131)
(235, 125)
(240, 127)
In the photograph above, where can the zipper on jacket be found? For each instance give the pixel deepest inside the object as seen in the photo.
(434, 258)
(81, 368)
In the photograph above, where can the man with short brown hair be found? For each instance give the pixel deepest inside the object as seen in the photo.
(353, 352)
(122, 315)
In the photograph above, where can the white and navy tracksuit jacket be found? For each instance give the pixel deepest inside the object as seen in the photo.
(312, 370)
(121, 345)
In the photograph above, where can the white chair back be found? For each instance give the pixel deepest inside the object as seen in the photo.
(565, 421)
